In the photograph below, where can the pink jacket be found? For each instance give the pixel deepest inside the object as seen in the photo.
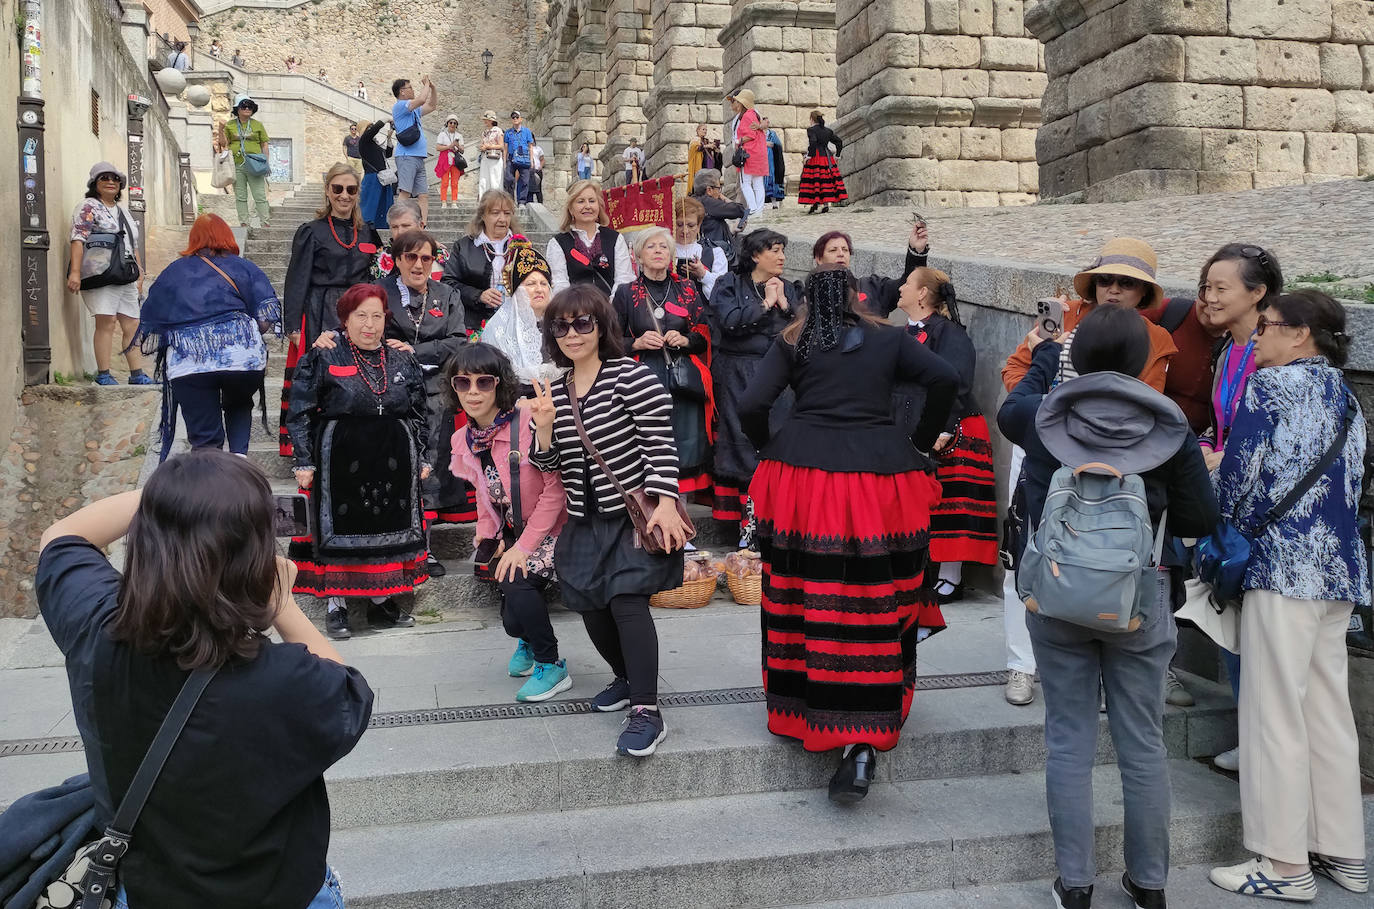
(754, 142)
(542, 499)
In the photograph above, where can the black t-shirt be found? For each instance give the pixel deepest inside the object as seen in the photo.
(239, 818)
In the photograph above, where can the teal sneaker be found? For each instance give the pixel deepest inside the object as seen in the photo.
(522, 661)
(547, 680)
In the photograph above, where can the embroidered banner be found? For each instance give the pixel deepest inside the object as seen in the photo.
(641, 205)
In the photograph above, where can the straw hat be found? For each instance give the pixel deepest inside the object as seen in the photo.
(490, 116)
(744, 97)
(1128, 257)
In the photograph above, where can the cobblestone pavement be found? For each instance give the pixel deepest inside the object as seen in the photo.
(1315, 229)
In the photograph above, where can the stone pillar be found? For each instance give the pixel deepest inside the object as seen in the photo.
(572, 82)
(686, 79)
(629, 71)
(134, 29)
(939, 101)
(1171, 97)
(784, 50)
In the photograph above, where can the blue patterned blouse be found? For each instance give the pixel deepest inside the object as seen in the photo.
(1288, 418)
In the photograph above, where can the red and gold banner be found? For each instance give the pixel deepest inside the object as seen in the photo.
(641, 205)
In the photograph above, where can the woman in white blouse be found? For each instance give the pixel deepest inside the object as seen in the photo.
(587, 250)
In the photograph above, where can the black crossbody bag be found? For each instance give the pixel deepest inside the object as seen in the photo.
(91, 880)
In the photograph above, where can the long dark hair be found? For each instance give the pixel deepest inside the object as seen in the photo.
(201, 574)
(479, 359)
(582, 300)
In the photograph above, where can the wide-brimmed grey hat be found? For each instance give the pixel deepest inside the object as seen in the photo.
(1113, 419)
(105, 167)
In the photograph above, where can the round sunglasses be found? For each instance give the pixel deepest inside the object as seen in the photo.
(583, 325)
(464, 384)
(339, 189)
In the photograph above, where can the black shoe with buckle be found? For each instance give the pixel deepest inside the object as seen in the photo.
(387, 614)
(851, 781)
(336, 624)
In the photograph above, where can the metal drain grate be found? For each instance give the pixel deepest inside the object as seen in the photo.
(395, 719)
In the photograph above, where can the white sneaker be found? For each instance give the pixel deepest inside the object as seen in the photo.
(1020, 688)
(1258, 878)
(1175, 693)
(1353, 876)
(1228, 760)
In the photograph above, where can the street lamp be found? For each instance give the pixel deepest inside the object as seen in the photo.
(487, 57)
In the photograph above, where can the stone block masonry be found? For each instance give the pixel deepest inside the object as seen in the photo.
(939, 101)
(1165, 97)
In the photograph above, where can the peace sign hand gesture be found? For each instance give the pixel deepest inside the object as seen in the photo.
(541, 406)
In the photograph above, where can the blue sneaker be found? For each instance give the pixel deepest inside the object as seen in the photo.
(644, 729)
(547, 680)
(140, 378)
(522, 661)
(104, 378)
(615, 696)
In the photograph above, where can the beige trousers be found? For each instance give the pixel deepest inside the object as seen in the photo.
(1299, 757)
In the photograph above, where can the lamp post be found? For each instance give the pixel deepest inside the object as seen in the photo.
(487, 57)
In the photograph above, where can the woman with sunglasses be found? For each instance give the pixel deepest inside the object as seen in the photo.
(360, 427)
(1299, 753)
(666, 329)
(751, 306)
(481, 383)
(328, 255)
(606, 575)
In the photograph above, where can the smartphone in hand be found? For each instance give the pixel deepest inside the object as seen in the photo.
(291, 515)
(1049, 318)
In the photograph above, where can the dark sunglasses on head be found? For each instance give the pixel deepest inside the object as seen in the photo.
(463, 384)
(339, 189)
(583, 325)
(411, 257)
(1122, 281)
(1255, 252)
(1264, 323)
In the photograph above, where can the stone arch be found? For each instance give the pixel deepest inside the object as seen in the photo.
(687, 71)
(572, 81)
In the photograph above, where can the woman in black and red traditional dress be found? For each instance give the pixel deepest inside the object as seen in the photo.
(750, 307)
(842, 498)
(328, 255)
(963, 527)
(821, 184)
(664, 321)
(360, 426)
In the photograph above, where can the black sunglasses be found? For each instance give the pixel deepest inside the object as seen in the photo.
(1255, 252)
(462, 384)
(1125, 282)
(583, 325)
(339, 189)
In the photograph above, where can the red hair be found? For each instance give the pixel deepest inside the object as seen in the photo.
(210, 235)
(823, 241)
(356, 296)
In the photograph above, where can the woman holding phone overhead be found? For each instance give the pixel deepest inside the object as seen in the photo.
(606, 427)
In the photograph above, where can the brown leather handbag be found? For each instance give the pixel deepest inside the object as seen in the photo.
(638, 503)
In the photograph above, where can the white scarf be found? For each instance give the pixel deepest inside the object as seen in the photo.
(498, 258)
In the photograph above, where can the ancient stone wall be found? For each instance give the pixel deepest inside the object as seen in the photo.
(686, 88)
(1168, 97)
(939, 101)
(380, 40)
(784, 50)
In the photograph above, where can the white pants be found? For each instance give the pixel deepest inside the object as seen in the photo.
(1019, 654)
(752, 187)
(1299, 755)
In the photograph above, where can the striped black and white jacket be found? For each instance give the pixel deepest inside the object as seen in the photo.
(628, 415)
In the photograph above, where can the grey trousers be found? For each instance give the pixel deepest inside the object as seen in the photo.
(1071, 659)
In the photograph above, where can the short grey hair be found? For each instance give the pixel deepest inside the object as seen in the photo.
(642, 237)
(706, 178)
(404, 207)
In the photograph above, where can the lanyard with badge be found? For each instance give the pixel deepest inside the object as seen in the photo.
(1229, 389)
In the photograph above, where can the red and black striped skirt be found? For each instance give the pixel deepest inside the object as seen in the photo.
(963, 525)
(821, 183)
(293, 356)
(843, 601)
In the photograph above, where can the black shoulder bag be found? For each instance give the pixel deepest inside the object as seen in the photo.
(90, 881)
(123, 267)
(517, 516)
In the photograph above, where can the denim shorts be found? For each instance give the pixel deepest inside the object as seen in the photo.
(411, 176)
(329, 897)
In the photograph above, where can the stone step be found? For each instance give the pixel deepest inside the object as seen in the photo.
(765, 849)
(458, 770)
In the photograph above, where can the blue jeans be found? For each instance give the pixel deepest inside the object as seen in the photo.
(1071, 659)
(521, 172)
(584, 173)
(329, 897)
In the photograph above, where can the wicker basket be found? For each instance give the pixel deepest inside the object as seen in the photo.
(691, 595)
(747, 590)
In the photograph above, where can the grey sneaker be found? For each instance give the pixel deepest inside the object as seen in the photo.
(1175, 693)
(1020, 688)
(615, 696)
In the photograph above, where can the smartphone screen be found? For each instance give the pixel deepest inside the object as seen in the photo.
(291, 517)
(683, 268)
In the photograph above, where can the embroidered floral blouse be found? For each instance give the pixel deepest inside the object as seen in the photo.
(1287, 419)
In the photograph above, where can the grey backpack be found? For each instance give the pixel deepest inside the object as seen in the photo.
(1093, 561)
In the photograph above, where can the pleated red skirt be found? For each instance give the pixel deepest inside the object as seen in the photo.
(843, 601)
(963, 525)
(821, 183)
